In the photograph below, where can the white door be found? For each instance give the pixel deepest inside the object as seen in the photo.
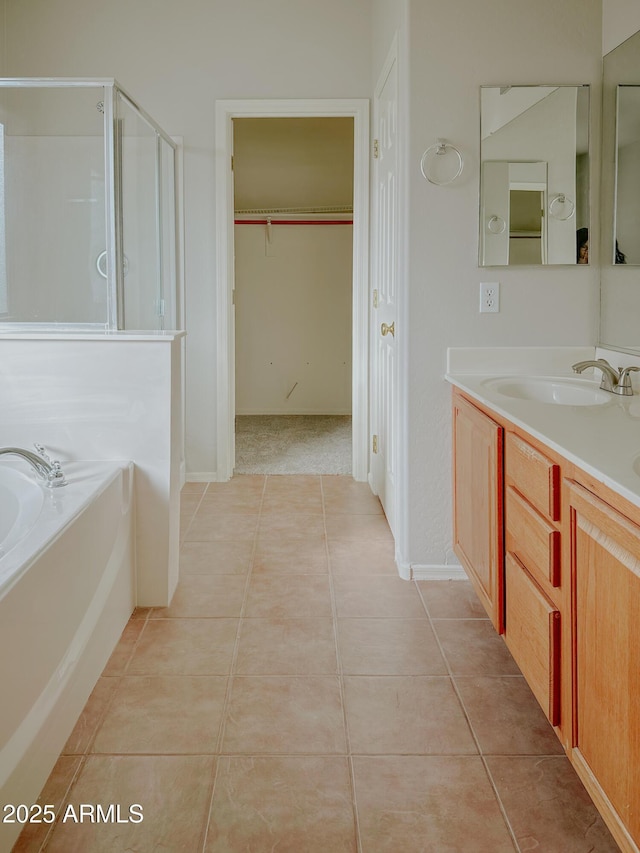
(385, 285)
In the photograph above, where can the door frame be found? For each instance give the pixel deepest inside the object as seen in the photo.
(225, 112)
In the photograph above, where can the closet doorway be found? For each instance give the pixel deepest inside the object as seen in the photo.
(293, 219)
(292, 239)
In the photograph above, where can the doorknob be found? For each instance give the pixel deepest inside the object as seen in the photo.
(388, 330)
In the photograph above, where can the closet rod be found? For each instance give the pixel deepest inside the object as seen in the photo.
(293, 221)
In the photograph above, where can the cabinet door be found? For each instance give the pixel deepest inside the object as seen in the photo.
(478, 496)
(606, 575)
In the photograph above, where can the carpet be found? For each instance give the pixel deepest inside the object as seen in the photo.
(293, 444)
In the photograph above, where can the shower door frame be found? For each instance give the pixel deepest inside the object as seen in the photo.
(225, 112)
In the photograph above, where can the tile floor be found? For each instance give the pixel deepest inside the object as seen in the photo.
(297, 696)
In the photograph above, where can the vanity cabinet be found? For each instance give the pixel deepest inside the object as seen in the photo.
(569, 593)
(477, 520)
(605, 557)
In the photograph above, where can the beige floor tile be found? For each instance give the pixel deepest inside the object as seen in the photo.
(92, 714)
(211, 527)
(292, 526)
(344, 494)
(360, 527)
(428, 804)
(141, 613)
(472, 647)
(121, 655)
(229, 503)
(506, 717)
(284, 715)
(205, 596)
(302, 485)
(299, 804)
(288, 596)
(193, 489)
(54, 792)
(223, 557)
(294, 504)
(239, 484)
(377, 596)
(173, 791)
(548, 807)
(298, 556)
(286, 647)
(163, 714)
(389, 647)
(354, 557)
(451, 600)
(185, 647)
(408, 715)
(189, 504)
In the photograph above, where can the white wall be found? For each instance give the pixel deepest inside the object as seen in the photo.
(293, 319)
(176, 59)
(620, 19)
(452, 52)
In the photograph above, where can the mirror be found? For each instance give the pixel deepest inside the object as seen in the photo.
(626, 246)
(534, 176)
(620, 210)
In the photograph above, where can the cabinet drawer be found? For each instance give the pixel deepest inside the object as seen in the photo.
(532, 633)
(532, 539)
(533, 475)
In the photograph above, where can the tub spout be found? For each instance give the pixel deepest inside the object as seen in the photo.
(49, 470)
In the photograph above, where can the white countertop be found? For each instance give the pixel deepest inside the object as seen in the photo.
(603, 440)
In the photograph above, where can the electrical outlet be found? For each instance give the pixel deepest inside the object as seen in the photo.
(489, 297)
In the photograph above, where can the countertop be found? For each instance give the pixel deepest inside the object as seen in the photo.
(603, 440)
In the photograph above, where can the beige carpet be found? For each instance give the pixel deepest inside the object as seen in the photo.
(293, 444)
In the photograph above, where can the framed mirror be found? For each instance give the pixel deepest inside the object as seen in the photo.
(534, 175)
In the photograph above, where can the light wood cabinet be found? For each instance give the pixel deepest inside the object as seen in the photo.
(557, 565)
(605, 557)
(478, 493)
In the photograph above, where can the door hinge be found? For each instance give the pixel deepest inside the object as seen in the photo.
(375, 443)
(375, 298)
(376, 149)
(232, 162)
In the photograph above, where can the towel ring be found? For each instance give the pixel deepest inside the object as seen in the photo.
(557, 203)
(441, 147)
(496, 225)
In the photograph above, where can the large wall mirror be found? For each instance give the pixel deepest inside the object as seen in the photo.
(534, 176)
(620, 199)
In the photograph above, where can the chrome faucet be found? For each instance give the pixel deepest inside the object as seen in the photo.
(48, 469)
(616, 381)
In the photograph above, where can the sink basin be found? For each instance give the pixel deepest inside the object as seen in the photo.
(557, 390)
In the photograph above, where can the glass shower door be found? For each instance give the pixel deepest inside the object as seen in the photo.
(140, 285)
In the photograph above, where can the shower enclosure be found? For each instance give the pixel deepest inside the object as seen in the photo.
(87, 210)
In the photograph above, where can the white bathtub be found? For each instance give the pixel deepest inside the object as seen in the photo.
(67, 589)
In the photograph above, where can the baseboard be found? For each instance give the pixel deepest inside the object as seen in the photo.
(421, 572)
(201, 477)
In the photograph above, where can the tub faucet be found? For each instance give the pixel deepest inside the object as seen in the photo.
(615, 381)
(48, 469)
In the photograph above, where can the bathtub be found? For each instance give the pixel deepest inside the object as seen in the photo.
(67, 589)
